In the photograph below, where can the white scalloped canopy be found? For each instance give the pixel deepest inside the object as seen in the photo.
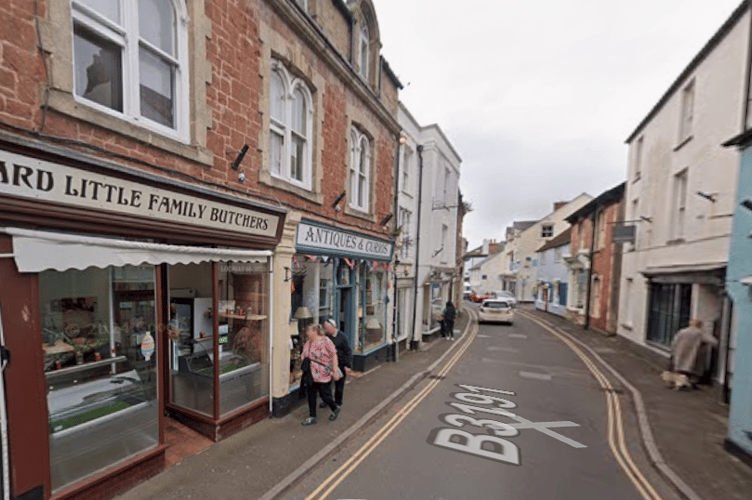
(36, 251)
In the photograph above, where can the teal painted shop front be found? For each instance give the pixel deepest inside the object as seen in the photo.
(739, 288)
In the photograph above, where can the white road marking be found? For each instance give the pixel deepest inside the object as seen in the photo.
(504, 349)
(538, 376)
(517, 336)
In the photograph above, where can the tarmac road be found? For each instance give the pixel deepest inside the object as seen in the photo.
(518, 415)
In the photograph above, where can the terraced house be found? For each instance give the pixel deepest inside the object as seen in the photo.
(184, 184)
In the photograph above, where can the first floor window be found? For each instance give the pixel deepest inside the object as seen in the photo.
(131, 59)
(290, 125)
(360, 170)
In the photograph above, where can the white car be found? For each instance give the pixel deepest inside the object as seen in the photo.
(506, 295)
(496, 310)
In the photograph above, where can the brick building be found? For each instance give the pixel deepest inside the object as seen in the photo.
(183, 185)
(595, 261)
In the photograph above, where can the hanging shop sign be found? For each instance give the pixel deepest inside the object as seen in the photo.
(319, 238)
(28, 177)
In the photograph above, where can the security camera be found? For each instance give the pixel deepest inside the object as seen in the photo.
(241, 177)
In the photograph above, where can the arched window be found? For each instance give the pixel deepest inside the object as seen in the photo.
(364, 48)
(360, 168)
(130, 58)
(290, 122)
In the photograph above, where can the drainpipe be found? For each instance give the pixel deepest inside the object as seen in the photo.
(417, 241)
(590, 272)
(395, 211)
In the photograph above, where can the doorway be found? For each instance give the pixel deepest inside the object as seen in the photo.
(345, 315)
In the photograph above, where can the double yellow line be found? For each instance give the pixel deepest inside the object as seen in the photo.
(334, 480)
(615, 427)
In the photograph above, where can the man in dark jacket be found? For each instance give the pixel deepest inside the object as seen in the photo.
(448, 316)
(344, 356)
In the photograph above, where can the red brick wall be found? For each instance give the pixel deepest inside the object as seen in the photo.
(603, 267)
(604, 260)
(234, 95)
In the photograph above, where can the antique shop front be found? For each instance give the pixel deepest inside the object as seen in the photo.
(340, 274)
(125, 297)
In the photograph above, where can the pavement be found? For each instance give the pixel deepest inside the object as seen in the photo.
(683, 432)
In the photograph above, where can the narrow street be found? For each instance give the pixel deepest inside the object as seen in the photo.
(545, 422)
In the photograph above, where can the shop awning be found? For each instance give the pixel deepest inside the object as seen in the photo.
(36, 251)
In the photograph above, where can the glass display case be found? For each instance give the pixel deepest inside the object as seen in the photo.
(239, 378)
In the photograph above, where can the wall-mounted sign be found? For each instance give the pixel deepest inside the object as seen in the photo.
(624, 234)
(317, 238)
(42, 180)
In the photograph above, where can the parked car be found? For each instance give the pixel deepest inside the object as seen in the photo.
(496, 310)
(506, 295)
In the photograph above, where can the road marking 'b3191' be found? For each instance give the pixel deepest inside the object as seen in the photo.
(490, 445)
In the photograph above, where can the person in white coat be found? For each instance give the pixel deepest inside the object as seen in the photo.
(688, 354)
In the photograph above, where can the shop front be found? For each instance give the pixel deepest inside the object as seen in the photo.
(343, 275)
(125, 299)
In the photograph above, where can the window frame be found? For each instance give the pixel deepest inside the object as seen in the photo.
(364, 56)
(125, 35)
(639, 145)
(404, 222)
(547, 228)
(360, 170)
(679, 204)
(285, 128)
(687, 111)
(407, 156)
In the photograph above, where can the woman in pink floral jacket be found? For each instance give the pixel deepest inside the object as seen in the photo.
(323, 363)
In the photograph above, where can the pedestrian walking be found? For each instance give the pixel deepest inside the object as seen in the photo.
(319, 368)
(688, 356)
(448, 316)
(344, 356)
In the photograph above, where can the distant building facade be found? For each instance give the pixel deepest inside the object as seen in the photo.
(595, 261)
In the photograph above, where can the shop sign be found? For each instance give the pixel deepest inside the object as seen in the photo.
(330, 240)
(45, 181)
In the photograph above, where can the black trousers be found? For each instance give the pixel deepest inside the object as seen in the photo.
(339, 387)
(326, 396)
(448, 328)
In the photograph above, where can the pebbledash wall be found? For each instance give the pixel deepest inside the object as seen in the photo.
(222, 56)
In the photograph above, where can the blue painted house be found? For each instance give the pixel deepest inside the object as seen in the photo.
(552, 274)
(739, 288)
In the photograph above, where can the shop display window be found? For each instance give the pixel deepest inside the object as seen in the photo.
(243, 333)
(370, 318)
(325, 292)
(374, 307)
(236, 353)
(98, 343)
(310, 303)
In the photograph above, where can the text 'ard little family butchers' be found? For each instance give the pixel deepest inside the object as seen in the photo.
(41, 180)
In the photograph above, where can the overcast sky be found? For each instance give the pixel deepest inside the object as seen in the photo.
(539, 97)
